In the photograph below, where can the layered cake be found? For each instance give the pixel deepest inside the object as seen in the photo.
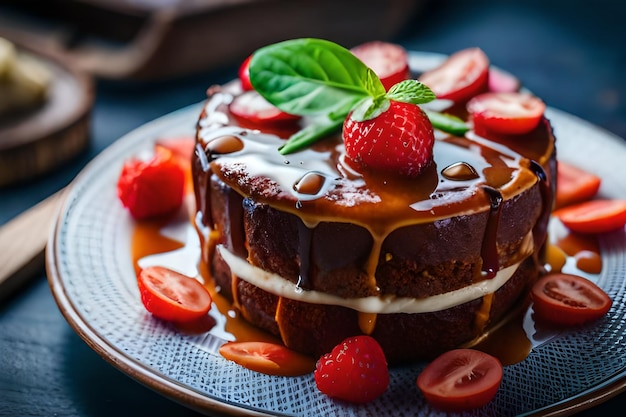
(313, 249)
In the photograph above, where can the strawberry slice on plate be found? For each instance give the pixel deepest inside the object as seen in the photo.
(574, 185)
(569, 300)
(461, 379)
(172, 296)
(594, 216)
(460, 77)
(389, 61)
(268, 358)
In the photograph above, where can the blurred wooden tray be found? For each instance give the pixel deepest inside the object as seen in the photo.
(156, 40)
(35, 142)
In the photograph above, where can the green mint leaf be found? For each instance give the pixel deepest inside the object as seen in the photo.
(369, 108)
(312, 76)
(411, 91)
(310, 134)
(447, 122)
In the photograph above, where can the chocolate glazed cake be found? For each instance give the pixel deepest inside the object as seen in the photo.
(313, 251)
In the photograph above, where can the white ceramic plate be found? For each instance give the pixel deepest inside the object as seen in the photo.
(92, 278)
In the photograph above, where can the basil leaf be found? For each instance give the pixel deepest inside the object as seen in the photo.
(411, 91)
(312, 76)
(447, 123)
(370, 108)
(310, 134)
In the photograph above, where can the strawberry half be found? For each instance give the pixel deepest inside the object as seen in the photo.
(388, 60)
(355, 370)
(400, 139)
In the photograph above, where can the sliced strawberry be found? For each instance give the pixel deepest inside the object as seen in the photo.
(508, 113)
(172, 296)
(569, 300)
(594, 216)
(502, 82)
(355, 370)
(152, 188)
(268, 358)
(463, 75)
(574, 185)
(244, 74)
(461, 380)
(399, 140)
(388, 60)
(252, 107)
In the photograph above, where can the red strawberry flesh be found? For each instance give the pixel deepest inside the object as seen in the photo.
(389, 61)
(399, 140)
(355, 370)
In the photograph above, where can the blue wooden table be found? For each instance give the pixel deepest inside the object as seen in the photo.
(572, 54)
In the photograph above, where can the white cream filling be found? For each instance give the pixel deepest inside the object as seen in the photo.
(282, 287)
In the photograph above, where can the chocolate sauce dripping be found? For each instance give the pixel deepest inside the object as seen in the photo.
(540, 230)
(305, 236)
(489, 252)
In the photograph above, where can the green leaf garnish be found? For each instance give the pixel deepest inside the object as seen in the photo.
(370, 107)
(447, 122)
(312, 76)
(316, 77)
(411, 91)
(310, 134)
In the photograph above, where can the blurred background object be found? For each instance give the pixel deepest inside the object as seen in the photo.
(156, 39)
(45, 112)
(24, 81)
(76, 41)
(572, 54)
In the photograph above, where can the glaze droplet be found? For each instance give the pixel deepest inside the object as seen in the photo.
(311, 183)
(224, 145)
(460, 171)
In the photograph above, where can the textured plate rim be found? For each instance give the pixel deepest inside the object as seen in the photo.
(190, 397)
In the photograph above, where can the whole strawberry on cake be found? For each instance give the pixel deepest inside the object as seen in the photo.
(329, 205)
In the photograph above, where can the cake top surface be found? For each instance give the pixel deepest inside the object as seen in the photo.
(319, 183)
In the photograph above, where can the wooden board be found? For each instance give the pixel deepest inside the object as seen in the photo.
(23, 241)
(35, 142)
(122, 39)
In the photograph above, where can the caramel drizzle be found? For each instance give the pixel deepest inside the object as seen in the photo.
(489, 252)
(310, 184)
(367, 321)
(540, 231)
(483, 314)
